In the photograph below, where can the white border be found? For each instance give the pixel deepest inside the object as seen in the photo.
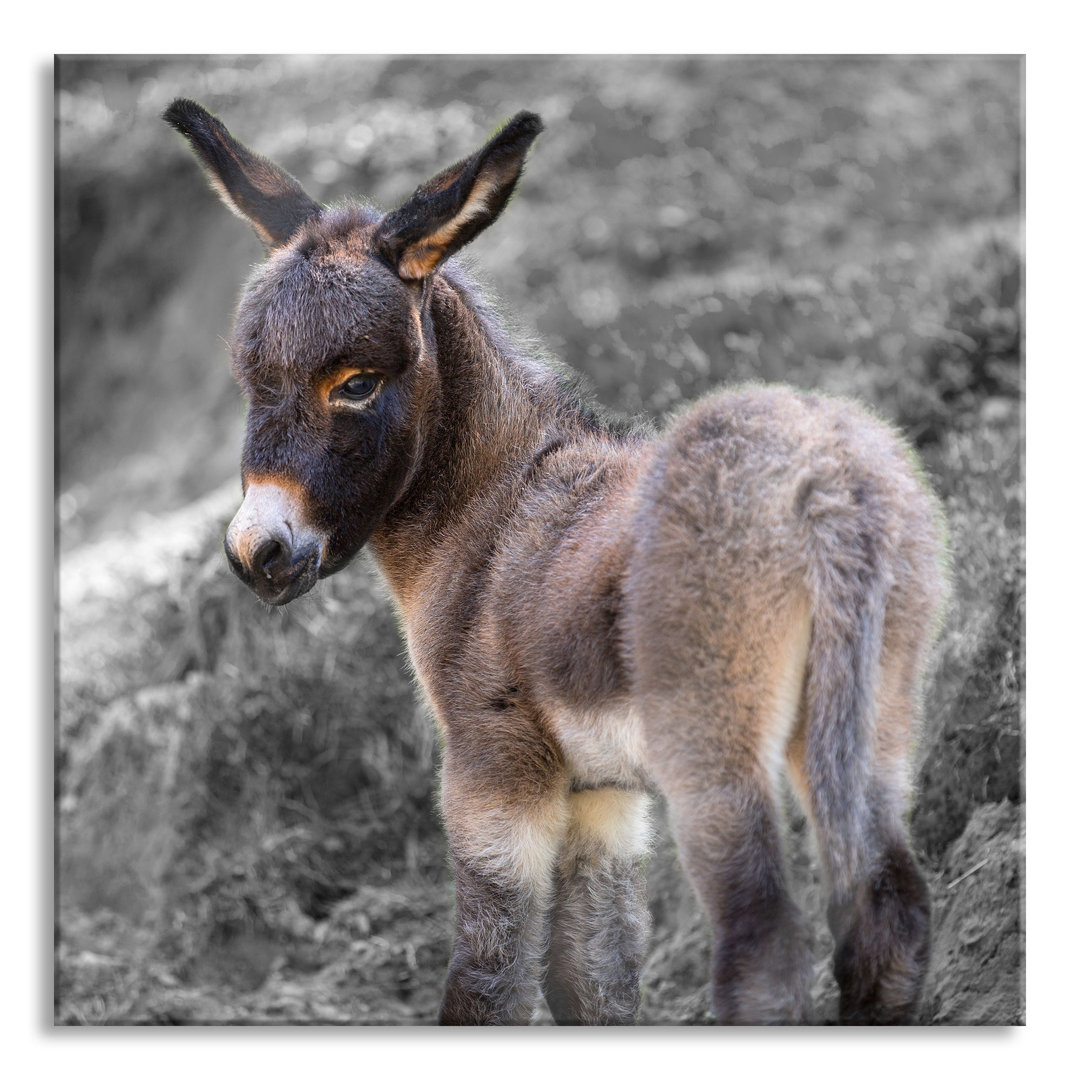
(672, 27)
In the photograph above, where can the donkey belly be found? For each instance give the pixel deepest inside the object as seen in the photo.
(601, 747)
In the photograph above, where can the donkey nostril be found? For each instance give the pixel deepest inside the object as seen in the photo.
(270, 555)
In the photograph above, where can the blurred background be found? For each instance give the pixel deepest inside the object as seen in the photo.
(246, 829)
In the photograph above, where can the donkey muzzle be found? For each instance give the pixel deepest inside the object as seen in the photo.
(269, 548)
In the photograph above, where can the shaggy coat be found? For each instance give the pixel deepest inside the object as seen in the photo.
(595, 612)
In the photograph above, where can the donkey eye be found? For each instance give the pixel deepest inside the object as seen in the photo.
(358, 387)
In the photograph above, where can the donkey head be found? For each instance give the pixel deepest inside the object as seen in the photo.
(334, 348)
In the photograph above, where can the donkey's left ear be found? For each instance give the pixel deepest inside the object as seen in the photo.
(450, 209)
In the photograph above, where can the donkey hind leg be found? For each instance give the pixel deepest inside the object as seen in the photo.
(849, 762)
(504, 843)
(717, 748)
(599, 916)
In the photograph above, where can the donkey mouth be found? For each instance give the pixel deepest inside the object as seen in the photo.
(275, 574)
(278, 594)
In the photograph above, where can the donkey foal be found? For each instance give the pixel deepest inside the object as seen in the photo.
(594, 612)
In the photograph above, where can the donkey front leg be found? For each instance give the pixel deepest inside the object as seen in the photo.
(505, 816)
(599, 915)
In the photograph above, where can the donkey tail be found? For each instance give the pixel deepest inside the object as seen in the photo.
(879, 909)
(849, 585)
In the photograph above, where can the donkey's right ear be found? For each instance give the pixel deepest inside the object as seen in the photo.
(265, 196)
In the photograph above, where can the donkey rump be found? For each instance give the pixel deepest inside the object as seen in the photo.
(595, 611)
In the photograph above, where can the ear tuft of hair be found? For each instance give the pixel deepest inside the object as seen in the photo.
(257, 190)
(444, 214)
(185, 115)
(521, 124)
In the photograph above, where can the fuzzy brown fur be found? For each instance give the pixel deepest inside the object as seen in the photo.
(595, 611)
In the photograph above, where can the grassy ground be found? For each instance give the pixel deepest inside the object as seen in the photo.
(244, 798)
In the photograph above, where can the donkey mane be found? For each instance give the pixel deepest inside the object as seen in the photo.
(570, 394)
(507, 406)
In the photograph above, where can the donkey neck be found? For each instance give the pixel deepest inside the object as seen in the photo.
(495, 412)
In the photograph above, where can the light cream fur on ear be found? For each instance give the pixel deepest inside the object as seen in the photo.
(419, 261)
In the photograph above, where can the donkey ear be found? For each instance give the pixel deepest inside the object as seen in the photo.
(266, 197)
(450, 209)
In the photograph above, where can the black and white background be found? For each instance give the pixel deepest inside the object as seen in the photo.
(245, 822)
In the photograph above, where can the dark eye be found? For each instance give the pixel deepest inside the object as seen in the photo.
(358, 387)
